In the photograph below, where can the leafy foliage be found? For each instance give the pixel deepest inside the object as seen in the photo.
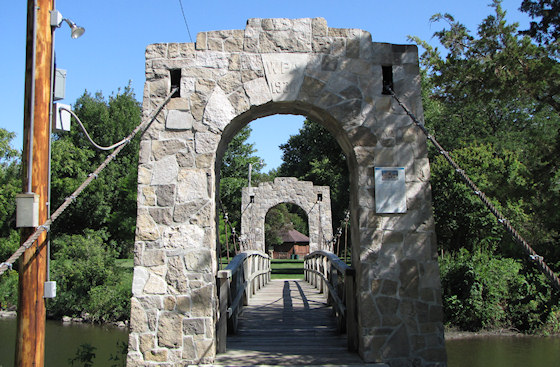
(109, 203)
(281, 218)
(234, 173)
(462, 221)
(10, 182)
(314, 155)
(482, 290)
(477, 287)
(492, 101)
(548, 28)
(10, 186)
(8, 289)
(88, 281)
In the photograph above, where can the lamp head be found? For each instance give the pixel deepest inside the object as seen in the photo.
(56, 21)
(77, 31)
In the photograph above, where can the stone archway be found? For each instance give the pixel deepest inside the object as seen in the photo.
(229, 78)
(314, 200)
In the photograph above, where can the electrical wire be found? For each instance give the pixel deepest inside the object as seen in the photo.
(111, 147)
(185, 18)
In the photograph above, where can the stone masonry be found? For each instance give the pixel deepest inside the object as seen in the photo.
(281, 66)
(314, 200)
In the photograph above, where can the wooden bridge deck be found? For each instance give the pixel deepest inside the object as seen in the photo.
(287, 323)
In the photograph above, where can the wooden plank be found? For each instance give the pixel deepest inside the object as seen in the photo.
(287, 322)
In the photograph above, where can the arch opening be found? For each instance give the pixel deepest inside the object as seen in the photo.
(286, 232)
(321, 123)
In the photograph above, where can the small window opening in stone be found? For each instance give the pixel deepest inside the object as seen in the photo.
(175, 75)
(252, 199)
(387, 79)
(319, 197)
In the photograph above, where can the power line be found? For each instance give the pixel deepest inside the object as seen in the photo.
(185, 18)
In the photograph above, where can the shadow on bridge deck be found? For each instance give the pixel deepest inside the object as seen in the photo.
(287, 323)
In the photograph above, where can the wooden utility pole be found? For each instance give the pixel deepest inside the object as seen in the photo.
(30, 343)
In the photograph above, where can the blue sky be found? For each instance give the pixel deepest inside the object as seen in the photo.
(111, 52)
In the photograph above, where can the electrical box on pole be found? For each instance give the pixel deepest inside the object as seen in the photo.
(59, 84)
(27, 210)
(61, 118)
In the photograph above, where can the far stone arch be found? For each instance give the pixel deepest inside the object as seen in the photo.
(282, 66)
(314, 200)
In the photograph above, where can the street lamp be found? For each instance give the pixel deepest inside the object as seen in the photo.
(57, 19)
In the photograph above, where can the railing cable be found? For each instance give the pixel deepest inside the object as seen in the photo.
(537, 259)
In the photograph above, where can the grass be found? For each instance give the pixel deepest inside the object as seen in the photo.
(125, 263)
(287, 269)
(282, 269)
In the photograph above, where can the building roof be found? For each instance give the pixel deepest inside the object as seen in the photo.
(294, 236)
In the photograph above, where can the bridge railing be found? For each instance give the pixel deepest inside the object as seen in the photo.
(247, 272)
(336, 279)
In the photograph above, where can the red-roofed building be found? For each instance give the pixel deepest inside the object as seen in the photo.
(293, 243)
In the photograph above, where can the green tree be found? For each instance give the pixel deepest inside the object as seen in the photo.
(547, 29)
(476, 287)
(234, 173)
(489, 89)
(462, 221)
(10, 186)
(314, 155)
(110, 201)
(88, 281)
(10, 182)
(491, 101)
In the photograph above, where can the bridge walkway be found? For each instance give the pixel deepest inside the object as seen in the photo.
(287, 323)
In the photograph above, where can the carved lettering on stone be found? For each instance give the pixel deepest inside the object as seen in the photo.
(284, 74)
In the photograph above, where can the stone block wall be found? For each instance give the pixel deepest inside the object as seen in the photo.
(278, 66)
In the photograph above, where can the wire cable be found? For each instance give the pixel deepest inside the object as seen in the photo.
(45, 226)
(185, 18)
(541, 265)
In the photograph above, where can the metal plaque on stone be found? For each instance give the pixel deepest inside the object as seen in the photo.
(390, 190)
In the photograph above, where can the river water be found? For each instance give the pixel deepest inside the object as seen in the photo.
(504, 351)
(62, 342)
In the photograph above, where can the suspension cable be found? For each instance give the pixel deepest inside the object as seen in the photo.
(537, 259)
(46, 226)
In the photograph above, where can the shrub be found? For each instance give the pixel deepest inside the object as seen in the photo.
(477, 289)
(88, 280)
(8, 289)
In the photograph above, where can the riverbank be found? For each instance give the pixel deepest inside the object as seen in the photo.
(68, 320)
(8, 314)
(455, 334)
(450, 333)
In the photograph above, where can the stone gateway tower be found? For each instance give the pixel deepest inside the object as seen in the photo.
(282, 66)
(313, 200)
